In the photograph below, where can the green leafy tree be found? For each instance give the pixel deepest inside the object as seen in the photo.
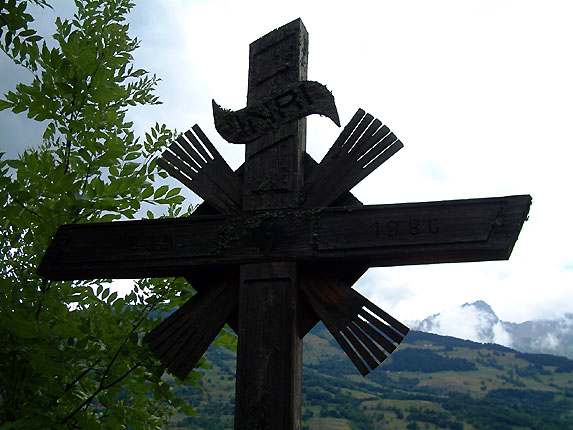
(71, 353)
(17, 39)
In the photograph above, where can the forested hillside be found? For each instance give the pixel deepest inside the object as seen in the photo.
(430, 382)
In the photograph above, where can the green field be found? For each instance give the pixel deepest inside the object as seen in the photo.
(432, 382)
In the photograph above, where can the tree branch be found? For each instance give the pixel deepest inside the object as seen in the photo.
(122, 377)
(123, 342)
(101, 388)
(81, 375)
(28, 210)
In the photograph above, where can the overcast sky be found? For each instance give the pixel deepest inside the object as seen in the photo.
(479, 92)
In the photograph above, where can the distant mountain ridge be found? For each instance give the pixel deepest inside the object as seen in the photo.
(430, 382)
(478, 322)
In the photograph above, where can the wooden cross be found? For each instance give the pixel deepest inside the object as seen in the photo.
(277, 245)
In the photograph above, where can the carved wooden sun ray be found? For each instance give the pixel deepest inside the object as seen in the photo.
(196, 163)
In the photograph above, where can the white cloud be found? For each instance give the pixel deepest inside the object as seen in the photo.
(549, 342)
(501, 336)
(468, 322)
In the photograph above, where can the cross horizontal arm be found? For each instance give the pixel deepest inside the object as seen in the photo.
(379, 235)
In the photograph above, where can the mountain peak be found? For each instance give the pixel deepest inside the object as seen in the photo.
(473, 321)
(480, 305)
(478, 322)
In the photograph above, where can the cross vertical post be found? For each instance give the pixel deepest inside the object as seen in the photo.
(269, 357)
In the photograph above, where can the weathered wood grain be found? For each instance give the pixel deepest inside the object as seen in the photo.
(269, 355)
(204, 279)
(269, 352)
(377, 235)
(274, 162)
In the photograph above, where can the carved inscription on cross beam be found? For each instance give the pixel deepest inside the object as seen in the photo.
(378, 235)
(277, 244)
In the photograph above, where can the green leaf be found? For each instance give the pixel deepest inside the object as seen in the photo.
(25, 33)
(5, 104)
(33, 39)
(50, 130)
(8, 39)
(173, 192)
(118, 304)
(113, 171)
(160, 191)
(112, 297)
(110, 217)
(176, 403)
(147, 192)
(188, 410)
